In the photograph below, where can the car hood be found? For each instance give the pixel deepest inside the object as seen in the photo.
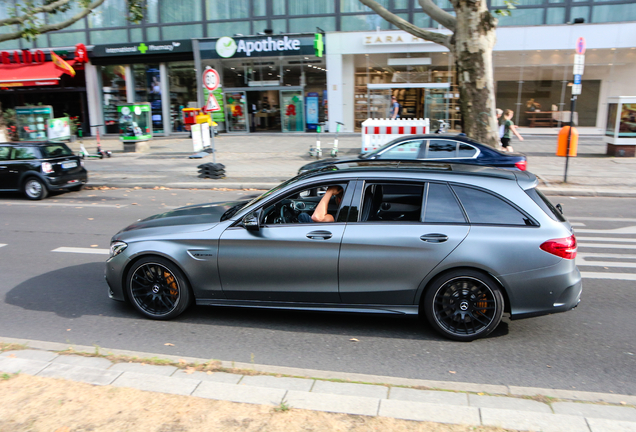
(192, 218)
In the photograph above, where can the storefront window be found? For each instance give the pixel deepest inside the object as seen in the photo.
(180, 11)
(99, 37)
(113, 79)
(183, 91)
(363, 22)
(612, 13)
(148, 89)
(109, 14)
(610, 128)
(177, 32)
(292, 111)
(311, 7)
(299, 25)
(627, 126)
(228, 28)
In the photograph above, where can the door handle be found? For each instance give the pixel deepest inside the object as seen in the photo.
(319, 235)
(434, 238)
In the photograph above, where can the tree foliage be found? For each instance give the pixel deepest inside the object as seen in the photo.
(27, 16)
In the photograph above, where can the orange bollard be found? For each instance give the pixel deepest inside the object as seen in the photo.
(562, 143)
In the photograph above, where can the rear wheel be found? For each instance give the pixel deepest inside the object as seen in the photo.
(35, 189)
(464, 305)
(157, 288)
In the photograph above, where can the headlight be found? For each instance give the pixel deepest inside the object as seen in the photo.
(117, 247)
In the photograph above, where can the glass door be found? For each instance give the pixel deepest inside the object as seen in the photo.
(292, 111)
(236, 111)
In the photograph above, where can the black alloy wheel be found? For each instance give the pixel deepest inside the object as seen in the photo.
(35, 189)
(464, 305)
(157, 288)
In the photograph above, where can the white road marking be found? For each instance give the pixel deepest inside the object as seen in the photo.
(2, 244)
(624, 230)
(604, 255)
(46, 204)
(606, 246)
(615, 276)
(82, 250)
(609, 239)
(601, 219)
(583, 262)
(577, 224)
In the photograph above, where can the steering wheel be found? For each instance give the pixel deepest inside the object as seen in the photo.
(286, 215)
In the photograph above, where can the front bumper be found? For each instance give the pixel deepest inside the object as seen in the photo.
(114, 275)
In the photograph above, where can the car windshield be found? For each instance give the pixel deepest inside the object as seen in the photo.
(376, 151)
(56, 150)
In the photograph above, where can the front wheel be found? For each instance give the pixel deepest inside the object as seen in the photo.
(157, 288)
(35, 189)
(464, 305)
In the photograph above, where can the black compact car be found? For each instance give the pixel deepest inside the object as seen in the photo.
(435, 148)
(37, 168)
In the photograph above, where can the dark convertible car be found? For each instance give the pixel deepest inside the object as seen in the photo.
(436, 148)
(457, 244)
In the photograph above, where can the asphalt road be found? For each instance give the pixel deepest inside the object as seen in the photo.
(61, 297)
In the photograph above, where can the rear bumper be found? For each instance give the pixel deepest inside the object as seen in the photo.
(67, 181)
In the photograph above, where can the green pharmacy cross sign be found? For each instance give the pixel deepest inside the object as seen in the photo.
(142, 48)
(319, 45)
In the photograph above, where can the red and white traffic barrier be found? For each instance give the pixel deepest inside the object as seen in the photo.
(377, 132)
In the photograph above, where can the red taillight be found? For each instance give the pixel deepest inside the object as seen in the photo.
(522, 165)
(563, 247)
(47, 168)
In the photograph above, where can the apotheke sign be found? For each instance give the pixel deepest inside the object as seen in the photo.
(162, 47)
(259, 46)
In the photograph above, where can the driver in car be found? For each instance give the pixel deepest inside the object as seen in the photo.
(320, 213)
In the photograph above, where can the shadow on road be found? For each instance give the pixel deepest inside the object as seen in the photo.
(75, 291)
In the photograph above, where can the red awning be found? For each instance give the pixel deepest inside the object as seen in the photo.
(20, 75)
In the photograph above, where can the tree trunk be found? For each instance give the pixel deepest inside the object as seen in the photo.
(472, 45)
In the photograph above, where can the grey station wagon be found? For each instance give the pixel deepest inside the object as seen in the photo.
(455, 243)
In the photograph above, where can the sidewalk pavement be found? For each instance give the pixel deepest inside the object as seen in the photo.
(518, 408)
(262, 161)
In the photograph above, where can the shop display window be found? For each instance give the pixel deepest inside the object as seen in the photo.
(148, 89)
(113, 78)
(183, 91)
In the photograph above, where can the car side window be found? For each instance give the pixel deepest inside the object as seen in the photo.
(25, 153)
(391, 202)
(441, 149)
(299, 206)
(466, 151)
(441, 206)
(485, 208)
(4, 153)
(404, 150)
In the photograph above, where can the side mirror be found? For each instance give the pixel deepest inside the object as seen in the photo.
(252, 221)
(558, 206)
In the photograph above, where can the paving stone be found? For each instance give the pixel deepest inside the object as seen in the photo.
(20, 365)
(428, 396)
(508, 403)
(238, 393)
(99, 376)
(94, 362)
(358, 405)
(596, 411)
(223, 377)
(285, 383)
(605, 425)
(144, 368)
(534, 421)
(351, 389)
(420, 411)
(44, 356)
(156, 383)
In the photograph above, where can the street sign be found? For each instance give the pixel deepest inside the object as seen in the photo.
(576, 89)
(580, 45)
(213, 104)
(579, 64)
(211, 81)
(577, 79)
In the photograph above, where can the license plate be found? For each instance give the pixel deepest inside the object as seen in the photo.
(70, 164)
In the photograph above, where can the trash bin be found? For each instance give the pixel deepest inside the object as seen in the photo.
(562, 143)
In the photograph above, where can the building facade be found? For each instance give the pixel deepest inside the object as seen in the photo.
(365, 60)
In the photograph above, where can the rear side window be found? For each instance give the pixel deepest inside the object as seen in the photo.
(56, 150)
(405, 150)
(4, 153)
(442, 206)
(545, 204)
(441, 149)
(25, 153)
(466, 151)
(390, 202)
(485, 208)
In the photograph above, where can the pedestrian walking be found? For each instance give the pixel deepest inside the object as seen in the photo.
(395, 108)
(509, 127)
(499, 112)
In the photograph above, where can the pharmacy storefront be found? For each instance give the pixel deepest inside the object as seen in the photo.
(159, 73)
(267, 83)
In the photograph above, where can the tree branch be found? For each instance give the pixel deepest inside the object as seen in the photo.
(400, 23)
(53, 27)
(438, 14)
(45, 9)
